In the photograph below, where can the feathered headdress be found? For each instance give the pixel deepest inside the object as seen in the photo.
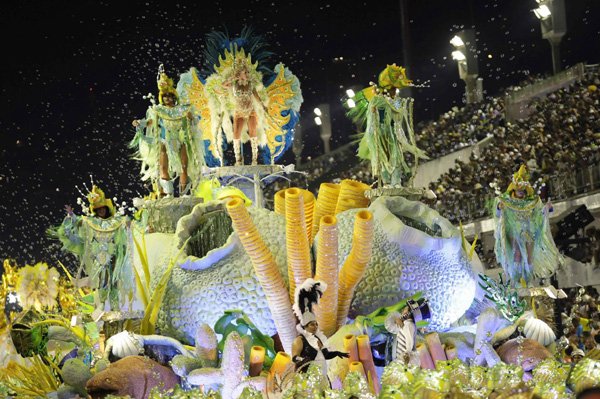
(97, 199)
(165, 84)
(218, 44)
(520, 181)
(306, 296)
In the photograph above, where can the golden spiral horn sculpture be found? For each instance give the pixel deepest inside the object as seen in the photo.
(326, 204)
(266, 271)
(327, 271)
(355, 265)
(297, 248)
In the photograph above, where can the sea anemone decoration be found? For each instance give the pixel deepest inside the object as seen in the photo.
(37, 286)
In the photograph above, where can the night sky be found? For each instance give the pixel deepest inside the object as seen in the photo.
(74, 73)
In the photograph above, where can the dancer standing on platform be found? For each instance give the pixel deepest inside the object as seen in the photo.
(101, 239)
(524, 244)
(167, 141)
(243, 99)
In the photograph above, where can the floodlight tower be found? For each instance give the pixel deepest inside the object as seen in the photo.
(553, 22)
(465, 54)
(323, 120)
(298, 145)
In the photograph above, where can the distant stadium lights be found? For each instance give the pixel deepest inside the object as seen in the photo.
(458, 56)
(351, 103)
(542, 12)
(456, 41)
(317, 112)
(350, 93)
(318, 120)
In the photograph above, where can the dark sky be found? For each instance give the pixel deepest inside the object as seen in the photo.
(73, 75)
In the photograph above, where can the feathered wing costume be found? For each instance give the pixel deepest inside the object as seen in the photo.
(387, 120)
(314, 346)
(524, 244)
(273, 96)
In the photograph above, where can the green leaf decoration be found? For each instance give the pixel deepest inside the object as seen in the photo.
(238, 321)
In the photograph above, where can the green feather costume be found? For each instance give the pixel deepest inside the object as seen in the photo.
(524, 244)
(387, 120)
(103, 247)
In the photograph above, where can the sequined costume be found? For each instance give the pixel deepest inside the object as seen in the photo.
(241, 89)
(388, 134)
(175, 127)
(524, 244)
(103, 247)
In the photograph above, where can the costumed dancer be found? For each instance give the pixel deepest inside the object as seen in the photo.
(311, 344)
(387, 120)
(101, 239)
(404, 327)
(524, 244)
(243, 98)
(167, 141)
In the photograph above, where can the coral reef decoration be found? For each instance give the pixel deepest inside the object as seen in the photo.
(237, 321)
(232, 375)
(266, 270)
(37, 287)
(523, 352)
(503, 296)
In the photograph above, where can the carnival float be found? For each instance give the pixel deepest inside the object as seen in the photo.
(360, 291)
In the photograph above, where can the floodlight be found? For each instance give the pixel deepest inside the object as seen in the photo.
(350, 93)
(458, 56)
(542, 12)
(318, 119)
(351, 103)
(317, 111)
(457, 41)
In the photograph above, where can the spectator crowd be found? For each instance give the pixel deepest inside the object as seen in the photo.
(558, 142)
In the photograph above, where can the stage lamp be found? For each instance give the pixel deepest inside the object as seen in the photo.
(458, 55)
(323, 120)
(542, 12)
(465, 55)
(553, 23)
(350, 102)
(350, 93)
(456, 41)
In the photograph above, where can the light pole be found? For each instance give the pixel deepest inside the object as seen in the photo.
(323, 120)
(465, 54)
(298, 145)
(553, 22)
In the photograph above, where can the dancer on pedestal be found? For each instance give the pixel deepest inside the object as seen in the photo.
(243, 98)
(524, 244)
(388, 136)
(101, 239)
(167, 141)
